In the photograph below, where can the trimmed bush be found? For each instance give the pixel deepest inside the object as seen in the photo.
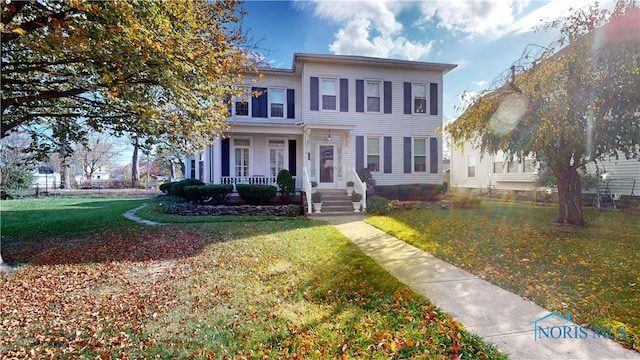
(377, 205)
(177, 188)
(192, 193)
(411, 192)
(217, 194)
(355, 197)
(287, 185)
(166, 187)
(256, 194)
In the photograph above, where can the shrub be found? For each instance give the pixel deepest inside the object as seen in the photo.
(355, 197)
(287, 185)
(165, 187)
(378, 205)
(216, 194)
(256, 194)
(463, 199)
(350, 183)
(316, 197)
(192, 193)
(177, 188)
(365, 176)
(293, 211)
(411, 192)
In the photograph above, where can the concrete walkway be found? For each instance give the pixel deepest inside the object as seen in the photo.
(131, 215)
(498, 316)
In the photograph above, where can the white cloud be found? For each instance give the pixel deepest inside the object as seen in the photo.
(472, 17)
(355, 38)
(370, 28)
(481, 83)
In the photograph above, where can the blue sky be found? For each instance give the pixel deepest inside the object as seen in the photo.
(482, 37)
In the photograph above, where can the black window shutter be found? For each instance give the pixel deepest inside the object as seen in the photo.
(387, 154)
(344, 95)
(433, 98)
(225, 156)
(227, 100)
(407, 98)
(359, 95)
(291, 102)
(407, 155)
(359, 152)
(387, 97)
(433, 155)
(314, 94)
(292, 157)
(259, 104)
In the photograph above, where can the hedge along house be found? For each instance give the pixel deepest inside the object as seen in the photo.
(327, 117)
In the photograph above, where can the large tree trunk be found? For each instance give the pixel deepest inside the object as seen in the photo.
(135, 171)
(172, 169)
(570, 197)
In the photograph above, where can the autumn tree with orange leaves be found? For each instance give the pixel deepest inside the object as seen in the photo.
(150, 68)
(567, 107)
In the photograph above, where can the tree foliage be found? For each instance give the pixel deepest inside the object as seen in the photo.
(568, 107)
(142, 67)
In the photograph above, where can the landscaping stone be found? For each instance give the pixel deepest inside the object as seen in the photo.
(203, 210)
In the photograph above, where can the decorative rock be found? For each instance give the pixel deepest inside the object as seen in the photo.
(240, 210)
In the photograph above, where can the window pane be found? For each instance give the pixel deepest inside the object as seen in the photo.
(420, 163)
(513, 167)
(276, 143)
(373, 104)
(528, 166)
(498, 167)
(276, 96)
(471, 171)
(373, 146)
(420, 91)
(329, 87)
(242, 108)
(419, 105)
(373, 89)
(277, 110)
(241, 142)
(328, 102)
(420, 146)
(373, 162)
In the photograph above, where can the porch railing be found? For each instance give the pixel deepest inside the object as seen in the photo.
(359, 187)
(256, 180)
(306, 186)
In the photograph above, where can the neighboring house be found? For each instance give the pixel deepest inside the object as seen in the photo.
(45, 178)
(327, 117)
(471, 169)
(101, 175)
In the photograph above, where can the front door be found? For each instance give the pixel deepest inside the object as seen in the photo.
(326, 165)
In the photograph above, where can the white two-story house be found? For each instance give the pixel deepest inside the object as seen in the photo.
(327, 117)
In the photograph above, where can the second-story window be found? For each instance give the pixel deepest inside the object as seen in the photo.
(276, 103)
(419, 98)
(373, 96)
(241, 104)
(329, 94)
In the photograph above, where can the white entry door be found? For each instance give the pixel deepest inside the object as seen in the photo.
(326, 165)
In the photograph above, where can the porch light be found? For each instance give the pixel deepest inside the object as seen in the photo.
(329, 137)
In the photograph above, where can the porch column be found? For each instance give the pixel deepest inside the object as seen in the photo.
(216, 161)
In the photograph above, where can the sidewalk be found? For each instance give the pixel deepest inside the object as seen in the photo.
(498, 316)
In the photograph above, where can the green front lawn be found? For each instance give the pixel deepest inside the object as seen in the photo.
(100, 286)
(591, 272)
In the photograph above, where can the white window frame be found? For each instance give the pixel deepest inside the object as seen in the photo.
(284, 102)
(246, 97)
(285, 158)
(468, 163)
(367, 96)
(413, 154)
(248, 148)
(322, 94)
(379, 154)
(414, 98)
